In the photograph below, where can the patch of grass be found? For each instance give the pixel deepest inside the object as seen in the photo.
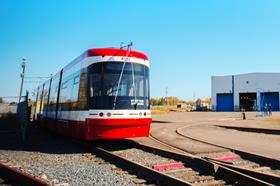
(167, 109)
(273, 120)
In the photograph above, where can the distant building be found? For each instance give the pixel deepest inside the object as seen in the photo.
(6, 108)
(181, 105)
(248, 91)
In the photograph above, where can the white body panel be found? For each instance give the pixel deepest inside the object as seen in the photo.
(84, 114)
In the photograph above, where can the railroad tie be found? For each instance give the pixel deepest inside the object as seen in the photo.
(249, 166)
(213, 183)
(178, 170)
(139, 181)
(227, 158)
(263, 169)
(168, 166)
(199, 179)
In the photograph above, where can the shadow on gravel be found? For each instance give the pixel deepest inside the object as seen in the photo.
(255, 130)
(158, 121)
(38, 139)
(115, 145)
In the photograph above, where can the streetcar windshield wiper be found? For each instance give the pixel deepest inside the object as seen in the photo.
(119, 82)
(120, 78)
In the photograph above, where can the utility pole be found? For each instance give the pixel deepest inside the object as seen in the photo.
(166, 95)
(22, 77)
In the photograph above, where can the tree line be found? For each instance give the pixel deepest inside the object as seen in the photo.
(175, 101)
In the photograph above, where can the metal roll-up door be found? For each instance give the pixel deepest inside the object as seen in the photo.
(270, 98)
(224, 102)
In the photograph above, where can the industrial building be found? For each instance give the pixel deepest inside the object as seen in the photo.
(252, 92)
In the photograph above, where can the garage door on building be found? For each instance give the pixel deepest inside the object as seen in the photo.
(270, 98)
(224, 102)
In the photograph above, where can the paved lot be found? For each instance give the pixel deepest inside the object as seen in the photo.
(202, 125)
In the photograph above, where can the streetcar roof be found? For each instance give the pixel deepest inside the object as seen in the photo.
(107, 52)
(115, 52)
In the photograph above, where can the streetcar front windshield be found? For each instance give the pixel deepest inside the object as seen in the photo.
(118, 85)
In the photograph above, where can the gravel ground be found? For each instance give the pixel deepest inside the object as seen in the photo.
(57, 160)
(216, 154)
(243, 141)
(72, 169)
(201, 125)
(144, 158)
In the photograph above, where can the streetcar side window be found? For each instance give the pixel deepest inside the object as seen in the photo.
(39, 100)
(46, 97)
(83, 94)
(53, 96)
(70, 91)
(65, 94)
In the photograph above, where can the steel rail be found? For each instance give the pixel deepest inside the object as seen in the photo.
(211, 168)
(14, 176)
(270, 178)
(141, 170)
(262, 160)
(218, 170)
(274, 163)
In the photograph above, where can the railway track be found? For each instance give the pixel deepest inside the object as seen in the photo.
(257, 166)
(150, 165)
(163, 167)
(10, 175)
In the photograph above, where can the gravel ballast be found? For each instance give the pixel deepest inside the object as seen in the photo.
(73, 169)
(58, 161)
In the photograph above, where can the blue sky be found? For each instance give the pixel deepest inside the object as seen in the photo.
(186, 41)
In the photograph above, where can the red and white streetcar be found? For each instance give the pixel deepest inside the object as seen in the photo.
(102, 94)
